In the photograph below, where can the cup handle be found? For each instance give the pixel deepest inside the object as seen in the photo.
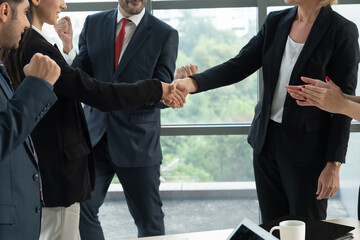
(274, 228)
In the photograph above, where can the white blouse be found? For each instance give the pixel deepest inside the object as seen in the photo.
(290, 56)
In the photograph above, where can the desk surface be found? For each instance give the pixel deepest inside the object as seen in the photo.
(223, 234)
(350, 222)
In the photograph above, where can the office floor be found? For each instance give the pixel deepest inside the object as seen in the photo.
(192, 215)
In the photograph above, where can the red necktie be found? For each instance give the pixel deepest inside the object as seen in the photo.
(120, 40)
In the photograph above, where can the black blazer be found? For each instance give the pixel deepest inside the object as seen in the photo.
(19, 172)
(331, 49)
(62, 139)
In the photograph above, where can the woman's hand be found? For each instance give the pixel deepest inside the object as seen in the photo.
(186, 71)
(328, 182)
(294, 90)
(331, 100)
(64, 29)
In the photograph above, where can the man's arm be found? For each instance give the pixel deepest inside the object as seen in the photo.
(31, 101)
(165, 66)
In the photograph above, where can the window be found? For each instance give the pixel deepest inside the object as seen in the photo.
(209, 37)
(206, 159)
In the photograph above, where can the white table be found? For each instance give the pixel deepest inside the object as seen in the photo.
(223, 234)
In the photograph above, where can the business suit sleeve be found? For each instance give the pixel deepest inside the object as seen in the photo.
(82, 60)
(165, 66)
(236, 69)
(76, 84)
(343, 71)
(23, 111)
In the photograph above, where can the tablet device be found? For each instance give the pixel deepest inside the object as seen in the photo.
(315, 229)
(248, 230)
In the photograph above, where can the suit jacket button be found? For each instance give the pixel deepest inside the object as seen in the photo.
(36, 177)
(38, 209)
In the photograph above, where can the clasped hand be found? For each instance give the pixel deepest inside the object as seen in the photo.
(64, 29)
(324, 95)
(174, 94)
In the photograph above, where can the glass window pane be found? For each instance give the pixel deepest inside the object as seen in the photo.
(77, 20)
(206, 159)
(350, 177)
(279, 8)
(209, 37)
(351, 12)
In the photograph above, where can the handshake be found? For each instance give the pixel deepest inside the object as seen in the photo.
(174, 94)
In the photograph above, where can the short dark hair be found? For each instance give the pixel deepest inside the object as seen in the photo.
(13, 5)
(12, 58)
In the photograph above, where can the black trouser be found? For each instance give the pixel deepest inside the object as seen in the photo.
(141, 189)
(287, 184)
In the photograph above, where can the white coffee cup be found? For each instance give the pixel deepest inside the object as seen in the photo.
(291, 230)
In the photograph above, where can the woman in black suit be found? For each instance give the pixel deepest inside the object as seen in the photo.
(297, 151)
(61, 138)
(327, 97)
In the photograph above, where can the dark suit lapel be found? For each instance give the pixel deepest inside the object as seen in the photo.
(317, 32)
(9, 95)
(30, 149)
(5, 88)
(40, 40)
(108, 36)
(279, 42)
(141, 33)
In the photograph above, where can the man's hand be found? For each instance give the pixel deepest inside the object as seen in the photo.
(43, 67)
(65, 32)
(172, 96)
(185, 86)
(328, 182)
(186, 71)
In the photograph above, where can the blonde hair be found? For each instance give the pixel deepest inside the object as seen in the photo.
(328, 2)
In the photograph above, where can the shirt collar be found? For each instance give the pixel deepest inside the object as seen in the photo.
(42, 34)
(135, 18)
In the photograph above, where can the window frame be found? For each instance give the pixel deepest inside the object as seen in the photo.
(261, 5)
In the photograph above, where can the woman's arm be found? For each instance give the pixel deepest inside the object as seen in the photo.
(328, 99)
(355, 99)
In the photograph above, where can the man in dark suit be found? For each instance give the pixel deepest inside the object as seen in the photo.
(126, 143)
(20, 192)
(298, 152)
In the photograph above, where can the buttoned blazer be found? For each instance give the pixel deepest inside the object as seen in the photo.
(19, 173)
(331, 49)
(65, 157)
(133, 135)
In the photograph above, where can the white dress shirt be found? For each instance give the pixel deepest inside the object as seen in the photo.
(68, 57)
(43, 35)
(290, 56)
(129, 28)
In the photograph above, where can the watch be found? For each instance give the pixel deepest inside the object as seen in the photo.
(338, 164)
